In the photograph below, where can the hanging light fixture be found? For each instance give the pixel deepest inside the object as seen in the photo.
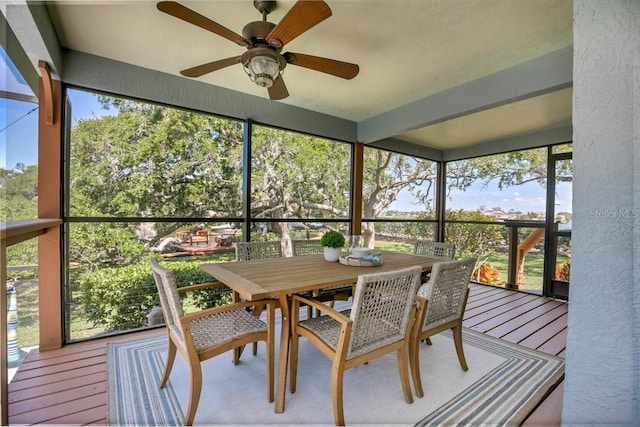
(262, 65)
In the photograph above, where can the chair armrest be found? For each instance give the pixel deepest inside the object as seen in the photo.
(323, 308)
(420, 301)
(421, 304)
(200, 286)
(223, 308)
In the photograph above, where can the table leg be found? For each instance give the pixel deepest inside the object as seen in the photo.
(283, 360)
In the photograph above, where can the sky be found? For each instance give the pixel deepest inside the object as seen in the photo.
(19, 126)
(18, 133)
(18, 144)
(530, 197)
(18, 119)
(85, 105)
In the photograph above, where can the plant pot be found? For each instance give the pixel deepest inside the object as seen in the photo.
(332, 254)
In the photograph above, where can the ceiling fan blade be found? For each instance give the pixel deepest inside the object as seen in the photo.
(301, 17)
(278, 90)
(182, 12)
(209, 67)
(334, 67)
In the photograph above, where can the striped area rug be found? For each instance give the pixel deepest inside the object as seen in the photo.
(504, 383)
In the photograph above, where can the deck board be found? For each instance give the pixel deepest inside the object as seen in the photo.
(57, 387)
(91, 416)
(538, 337)
(52, 400)
(556, 344)
(501, 322)
(65, 358)
(531, 326)
(475, 315)
(549, 411)
(68, 385)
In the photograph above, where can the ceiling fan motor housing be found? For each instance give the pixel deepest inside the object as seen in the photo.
(257, 31)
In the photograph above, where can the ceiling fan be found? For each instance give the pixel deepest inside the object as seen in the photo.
(263, 60)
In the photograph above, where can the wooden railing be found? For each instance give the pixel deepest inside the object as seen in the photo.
(12, 233)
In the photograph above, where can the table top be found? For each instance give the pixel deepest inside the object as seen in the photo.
(267, 278)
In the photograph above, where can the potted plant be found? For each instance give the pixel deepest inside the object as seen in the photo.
(333, 243)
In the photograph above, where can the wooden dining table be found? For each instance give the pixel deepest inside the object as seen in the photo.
(282, 277)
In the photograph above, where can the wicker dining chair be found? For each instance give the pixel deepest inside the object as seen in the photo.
(205, 334)
(330, 294)
(379, 322)
(246, 251)
(434, 249)
(306, 247)
(441, 305)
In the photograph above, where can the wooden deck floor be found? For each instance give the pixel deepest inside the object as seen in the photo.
(68, 385)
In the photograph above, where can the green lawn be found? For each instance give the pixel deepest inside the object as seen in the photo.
(28, 316)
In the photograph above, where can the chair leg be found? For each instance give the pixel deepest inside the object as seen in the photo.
(256, 312)
(237, 352)
(171, 357)
(403, 369)
(457, 339)
(414, 361)
(194, 392)
(293, 360)
(337, 377)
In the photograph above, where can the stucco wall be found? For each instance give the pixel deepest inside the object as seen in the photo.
(602, 377)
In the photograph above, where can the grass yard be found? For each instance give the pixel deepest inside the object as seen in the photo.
(28, 315)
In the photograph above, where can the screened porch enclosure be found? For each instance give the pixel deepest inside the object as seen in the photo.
(146, 179)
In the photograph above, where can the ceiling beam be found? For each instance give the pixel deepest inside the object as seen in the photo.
(34, 32)
(558, 135)
(548, 73)
(409, 148)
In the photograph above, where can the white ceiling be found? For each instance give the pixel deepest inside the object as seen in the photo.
(406, 49)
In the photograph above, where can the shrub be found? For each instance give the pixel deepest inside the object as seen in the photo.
(470, 236)
(120, 298)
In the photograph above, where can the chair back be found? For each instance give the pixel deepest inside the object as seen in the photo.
(434, 249)
(446, 291)
(170, 301)
(382, 309)
(306, 247)
(246, 251)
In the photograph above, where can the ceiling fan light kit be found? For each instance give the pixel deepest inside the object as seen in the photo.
(263, 61)
(262, 65)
